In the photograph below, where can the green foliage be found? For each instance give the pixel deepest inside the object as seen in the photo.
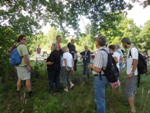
(114, 29)
(25, 16)
(8, 37)
(78, 100)
(144, 38)
(85, 40)
(45, 41)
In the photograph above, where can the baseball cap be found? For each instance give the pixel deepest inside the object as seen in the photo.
(127, 40)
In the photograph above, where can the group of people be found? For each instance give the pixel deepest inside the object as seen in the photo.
(100, 62)
(62, 61)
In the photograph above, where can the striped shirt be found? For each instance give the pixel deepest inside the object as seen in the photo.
(100, 60)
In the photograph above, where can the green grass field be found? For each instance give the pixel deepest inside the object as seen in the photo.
(78, 100)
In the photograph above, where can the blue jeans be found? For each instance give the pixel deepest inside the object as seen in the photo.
(99, 92)
(86, 71)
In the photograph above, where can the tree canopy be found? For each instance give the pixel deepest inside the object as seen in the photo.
(26, 15)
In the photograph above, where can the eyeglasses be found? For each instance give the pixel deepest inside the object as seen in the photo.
(24, 38)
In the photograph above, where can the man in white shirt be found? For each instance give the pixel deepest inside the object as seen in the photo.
(132, 61)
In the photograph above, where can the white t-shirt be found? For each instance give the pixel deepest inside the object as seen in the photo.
(117, 55)
(134, 55)
(120, 52)
(69, 59)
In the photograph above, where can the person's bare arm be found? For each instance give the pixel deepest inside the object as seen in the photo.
(26, 59)
(49, 63)
(94, 68)
(65, 61)
(135, 62)
(116, 59)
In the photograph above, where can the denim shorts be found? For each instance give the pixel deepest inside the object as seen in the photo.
(130, 88)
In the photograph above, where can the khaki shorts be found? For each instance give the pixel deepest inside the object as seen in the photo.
(23, 73)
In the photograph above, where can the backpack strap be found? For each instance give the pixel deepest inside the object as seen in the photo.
(130, 51)
(18, 46)
(102, 67)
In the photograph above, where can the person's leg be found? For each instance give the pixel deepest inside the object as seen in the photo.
(113, 88)
(28, 86)
(87, 70)
(75, 65)
(99, 91)
(130, 90)
(131, 103)
(19, 84)
(63, 75)
(51, 80)
(57, 80)
(84, 68)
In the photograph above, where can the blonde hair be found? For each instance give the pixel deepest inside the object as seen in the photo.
(65, 49)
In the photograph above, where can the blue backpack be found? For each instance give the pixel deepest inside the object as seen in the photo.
(15, 58)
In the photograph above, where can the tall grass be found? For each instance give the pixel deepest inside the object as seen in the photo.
(78, 100)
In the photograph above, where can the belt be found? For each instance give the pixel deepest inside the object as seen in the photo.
(100, 75)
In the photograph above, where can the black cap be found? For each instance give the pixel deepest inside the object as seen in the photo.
(127, 40)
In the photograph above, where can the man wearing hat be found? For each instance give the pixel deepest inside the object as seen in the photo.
(132, 61)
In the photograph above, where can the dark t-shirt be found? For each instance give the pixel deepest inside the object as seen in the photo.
(55, 58)
(71, 48)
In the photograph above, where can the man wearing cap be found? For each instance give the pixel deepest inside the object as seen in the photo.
(24, 68)
(132, 61)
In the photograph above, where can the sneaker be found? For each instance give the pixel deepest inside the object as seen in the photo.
(71, 85)
(66, 89)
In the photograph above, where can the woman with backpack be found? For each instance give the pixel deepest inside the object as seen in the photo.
(116, 57)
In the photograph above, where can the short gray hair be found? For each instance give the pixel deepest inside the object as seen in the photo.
(54, 45)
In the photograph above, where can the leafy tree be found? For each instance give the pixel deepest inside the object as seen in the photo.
(25, 15)
(45, 41)
(85, 40)
(8, 37)
(143, 40)
(117, 30)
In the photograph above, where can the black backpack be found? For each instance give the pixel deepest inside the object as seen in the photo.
(111, 71)
(141, 67)
(142, 64)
